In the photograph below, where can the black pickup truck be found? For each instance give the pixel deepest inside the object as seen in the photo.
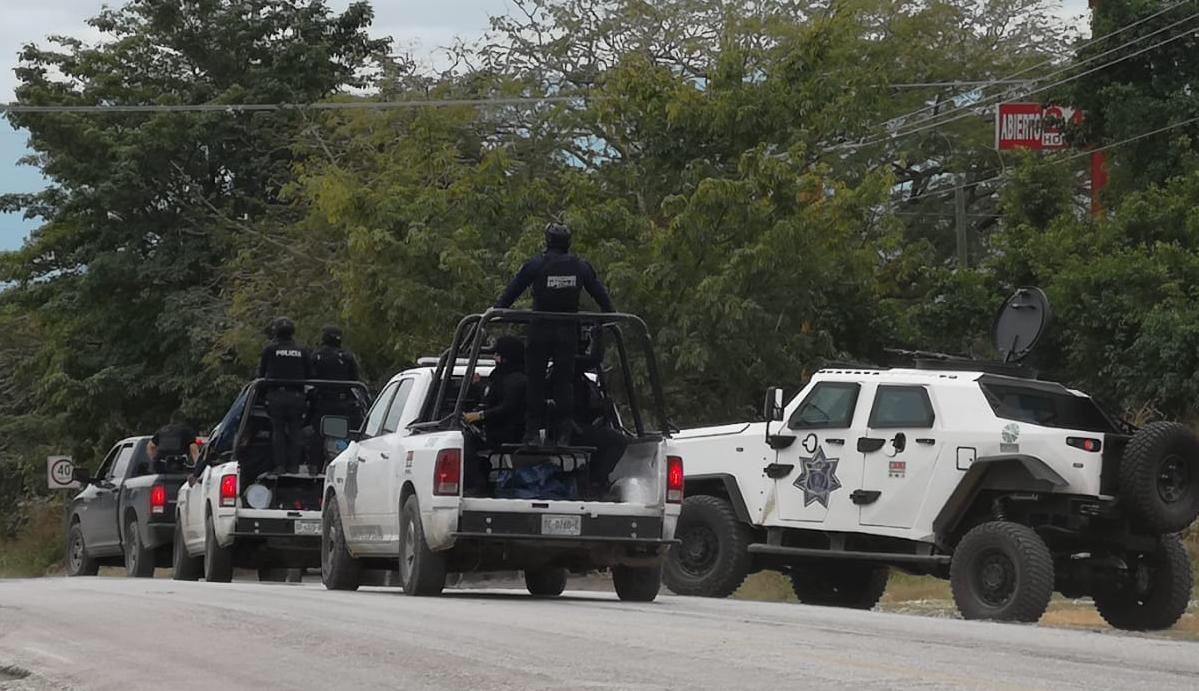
(125, 514)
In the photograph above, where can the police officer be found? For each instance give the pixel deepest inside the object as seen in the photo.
(502, 415)
(284, 359)
(592, 418)
(557, 277)
(173, 442)
(331, 361)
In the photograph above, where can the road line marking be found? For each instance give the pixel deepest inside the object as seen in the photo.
(47, 655)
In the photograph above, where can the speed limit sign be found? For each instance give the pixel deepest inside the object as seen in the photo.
(60, 471)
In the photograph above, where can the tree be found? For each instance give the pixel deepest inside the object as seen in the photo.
(1145, 83)
(128, 277)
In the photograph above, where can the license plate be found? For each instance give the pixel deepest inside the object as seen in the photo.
(561, 525)
(308, 527)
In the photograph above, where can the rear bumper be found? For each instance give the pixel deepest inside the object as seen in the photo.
(155, 535)
(497, 525)
(278, 527)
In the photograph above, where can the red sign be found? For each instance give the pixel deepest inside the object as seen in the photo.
(1032, 126)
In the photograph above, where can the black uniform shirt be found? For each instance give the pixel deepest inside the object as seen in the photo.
(284, 360)
(557, 279)
(334, 364)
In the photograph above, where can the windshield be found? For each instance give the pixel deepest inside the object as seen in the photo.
(1045, 407)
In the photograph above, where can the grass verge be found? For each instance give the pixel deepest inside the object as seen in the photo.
(38, 550)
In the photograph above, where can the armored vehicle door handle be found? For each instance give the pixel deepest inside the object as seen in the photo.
(926, 441)
(870, 444)
(862, 497)
(384, 456)
(775, 471)
(899, 442)
(835, 442)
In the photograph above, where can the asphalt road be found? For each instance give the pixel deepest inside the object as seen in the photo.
(110, 633)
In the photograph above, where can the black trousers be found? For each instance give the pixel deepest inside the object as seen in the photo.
(286, 408)
(610, 446)
(548, 340)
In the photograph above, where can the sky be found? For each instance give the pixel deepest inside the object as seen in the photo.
(418, 26)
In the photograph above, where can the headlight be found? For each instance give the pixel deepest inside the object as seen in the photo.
(258, 496)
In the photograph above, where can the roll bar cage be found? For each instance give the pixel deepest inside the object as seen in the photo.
(472, 331)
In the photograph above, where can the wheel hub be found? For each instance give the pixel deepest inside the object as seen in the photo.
(698, 550)
(995, 577)
(409, 554)
(1172, 479)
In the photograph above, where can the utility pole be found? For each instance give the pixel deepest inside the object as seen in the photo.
(959, 220)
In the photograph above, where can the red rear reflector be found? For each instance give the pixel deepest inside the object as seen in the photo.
(447, 474)
(158, 499)
(674, 479)
(1085, 443)
(229, 490)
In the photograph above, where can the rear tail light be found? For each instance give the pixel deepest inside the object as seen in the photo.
(674, 479)
(229, 490)
(1085, 443)
(158, 499)
(447, 474)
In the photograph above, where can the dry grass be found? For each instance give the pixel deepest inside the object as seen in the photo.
(38, 551)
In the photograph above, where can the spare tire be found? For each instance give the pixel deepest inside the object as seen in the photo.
(1159, 478)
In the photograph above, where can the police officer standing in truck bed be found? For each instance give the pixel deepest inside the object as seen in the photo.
(285, 359)
(557, 277)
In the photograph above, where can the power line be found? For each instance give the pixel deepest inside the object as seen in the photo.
(1073, 66)
(275, 107)
(991, 100)
(1086, 44)
(1066, 159)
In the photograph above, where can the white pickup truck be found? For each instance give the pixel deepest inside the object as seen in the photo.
(399, 491)
(237, 514)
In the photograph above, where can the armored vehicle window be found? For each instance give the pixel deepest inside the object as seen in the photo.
(830, 405)
(901, 406)
(1042, 406)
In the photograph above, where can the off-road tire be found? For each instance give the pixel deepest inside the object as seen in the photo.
(996, 557)
(78, 563)
(139, 561)
(1163, 595)
(422, 571)
(218, 561)
(855, 586)
(546, 582)
(272, 575)
(712, 558)
(637, 583)
(185, 566)
(339, 570)
(1159, 478)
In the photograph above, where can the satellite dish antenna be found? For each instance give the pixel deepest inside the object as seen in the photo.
(1021, 322)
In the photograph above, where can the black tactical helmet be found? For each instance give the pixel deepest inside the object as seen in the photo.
(512, 349)
(557, 236)
(282, 327)
(330, 335)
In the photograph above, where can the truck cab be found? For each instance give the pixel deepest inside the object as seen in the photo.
(402, 496)
(239, 513)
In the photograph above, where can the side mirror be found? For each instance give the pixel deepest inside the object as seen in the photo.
(772, 411)
(335, 427)
(81, 475)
